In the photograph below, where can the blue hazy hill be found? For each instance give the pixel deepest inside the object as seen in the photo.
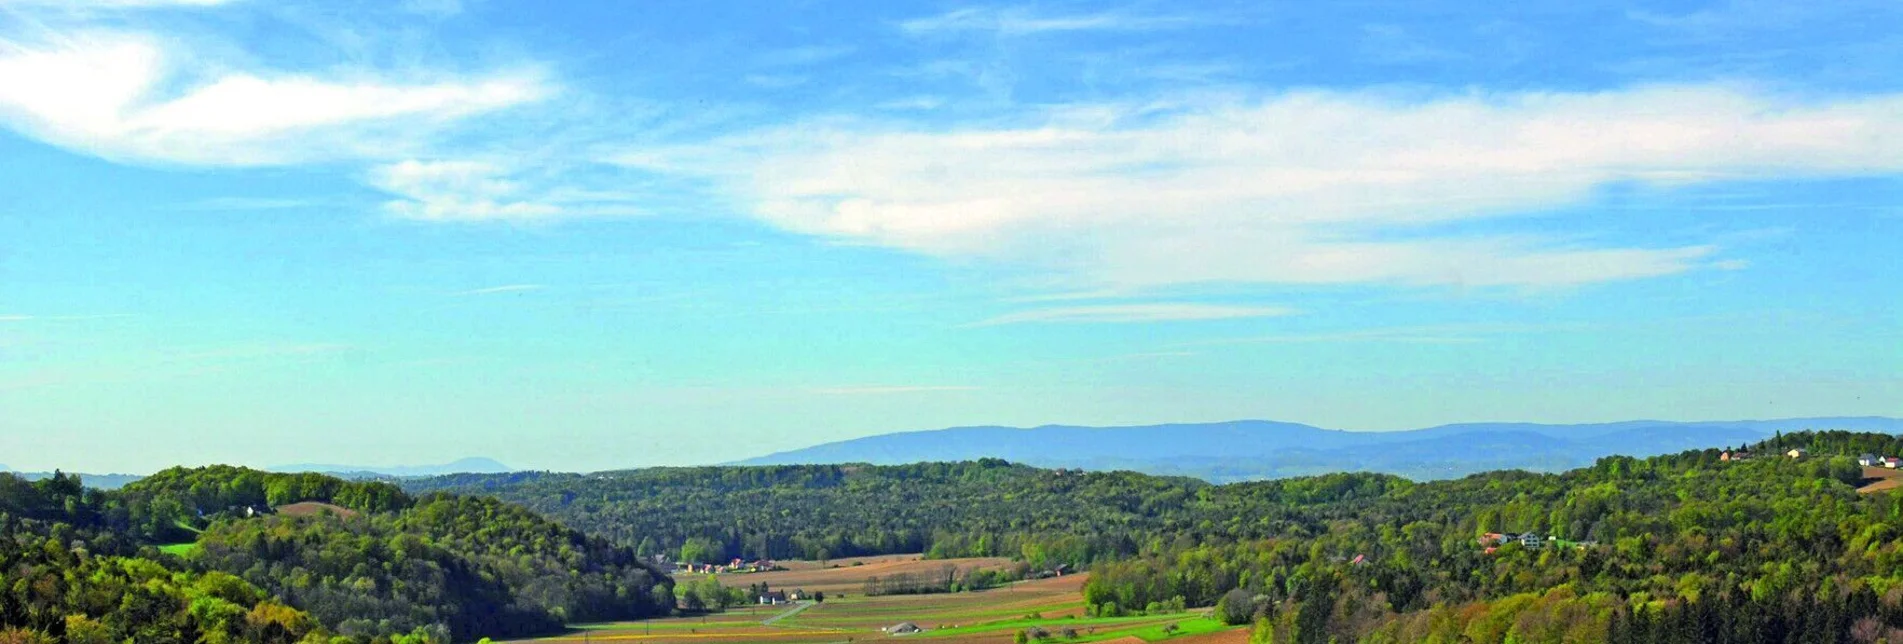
(1255, 449)
(460, 466)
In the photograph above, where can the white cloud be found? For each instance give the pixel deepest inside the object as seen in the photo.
(1147, 312)
(456, 191)
(106, 93)
(516, 189)
(111, 4)
(436, 8)
(879, 390)
(805, 55)
(509, 288)
(1303, 187)
(20, 317)
(913, 103)
(1019, 21)
(775, 81)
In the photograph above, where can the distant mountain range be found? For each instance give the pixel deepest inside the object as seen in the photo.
(1257, 449)
(100, 481)
(462, 466)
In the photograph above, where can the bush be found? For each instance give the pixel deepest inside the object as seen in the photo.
(1236, 608)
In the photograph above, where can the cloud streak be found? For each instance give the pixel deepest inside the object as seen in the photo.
(510, 288)
(1127, 313)
(883, 390)
(109, 93)
(1019, 21)
(1313, 187)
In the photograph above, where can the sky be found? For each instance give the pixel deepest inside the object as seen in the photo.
(591, 235)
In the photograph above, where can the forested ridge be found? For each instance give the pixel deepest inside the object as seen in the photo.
(977, 508)
(1681, 548)
(1686, 547)
(372, 564)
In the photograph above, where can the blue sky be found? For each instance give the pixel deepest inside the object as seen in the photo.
(587, 235)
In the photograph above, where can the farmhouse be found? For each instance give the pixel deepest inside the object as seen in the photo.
(1872, 460)
(772, 598)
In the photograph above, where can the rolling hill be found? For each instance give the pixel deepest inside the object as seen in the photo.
(473, 465)
(1255, 449)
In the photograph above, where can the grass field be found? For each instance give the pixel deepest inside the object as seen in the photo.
(179, 549)
(988, 617)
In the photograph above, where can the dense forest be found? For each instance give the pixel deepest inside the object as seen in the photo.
(1684, 547)
(977, 508)
(1691, 547)
(370, 564)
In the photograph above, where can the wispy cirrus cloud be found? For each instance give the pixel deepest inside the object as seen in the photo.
(111, 4)
(811, 55)
(1309, 187)
(22, 317)
(507, 288)
(498, 189)
(135, 96)
(1429, 334)
(1143, 312)
(457, 191)
(884, 390)
(1024, 21)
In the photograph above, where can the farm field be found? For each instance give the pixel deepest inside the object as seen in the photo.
(847, 576)
(993, 616)
(1878, 479)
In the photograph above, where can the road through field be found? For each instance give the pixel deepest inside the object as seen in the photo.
(794, 611)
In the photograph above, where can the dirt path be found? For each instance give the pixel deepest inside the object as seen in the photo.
(789, 613)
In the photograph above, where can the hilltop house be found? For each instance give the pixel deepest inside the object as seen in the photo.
(1797, 452)
(1531, 541)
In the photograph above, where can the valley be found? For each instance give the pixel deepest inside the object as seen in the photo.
(994, 616)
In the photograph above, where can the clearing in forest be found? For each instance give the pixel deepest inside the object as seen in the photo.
(1054, 606)
(1878, 479)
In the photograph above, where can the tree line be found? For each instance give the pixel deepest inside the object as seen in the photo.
(81, 564)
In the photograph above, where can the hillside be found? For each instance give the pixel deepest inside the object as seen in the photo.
(100, 481)
(1686, 547)
(368, 563)
(477, 465)
(1251, 449)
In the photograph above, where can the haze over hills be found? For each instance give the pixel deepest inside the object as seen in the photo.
(471, 465)
(99, 481)
(1257, 449)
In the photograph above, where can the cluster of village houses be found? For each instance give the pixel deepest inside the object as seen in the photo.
(777, 597)
(1872, 460)
(1795, 453)
(735, 566)
(1530, 540)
